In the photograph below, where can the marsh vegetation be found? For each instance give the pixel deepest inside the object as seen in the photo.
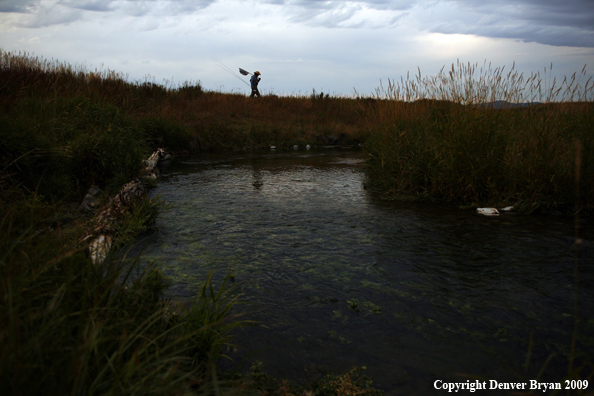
(83, 329)
(476, 136)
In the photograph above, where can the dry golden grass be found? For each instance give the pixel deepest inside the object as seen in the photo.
(217, 120)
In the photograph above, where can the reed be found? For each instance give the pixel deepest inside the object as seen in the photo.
(70, 327)
(482, 136)
(210, 120)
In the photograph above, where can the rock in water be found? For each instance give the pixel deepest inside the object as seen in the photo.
(150, 164)
(488, 211)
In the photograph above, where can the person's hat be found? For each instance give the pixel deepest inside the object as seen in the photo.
(257, 73)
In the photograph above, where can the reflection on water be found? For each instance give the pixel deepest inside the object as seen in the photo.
(415, 292)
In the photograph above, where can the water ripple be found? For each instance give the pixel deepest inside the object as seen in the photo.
(417, 292)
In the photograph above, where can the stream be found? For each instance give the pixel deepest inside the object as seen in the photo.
(339, 277)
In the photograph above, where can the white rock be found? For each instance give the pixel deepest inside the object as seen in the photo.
(99, 248)
(506, 209)
(272, 147)
(488, 211)
(308, 147)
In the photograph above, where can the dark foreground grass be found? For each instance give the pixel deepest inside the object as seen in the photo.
(68, 326)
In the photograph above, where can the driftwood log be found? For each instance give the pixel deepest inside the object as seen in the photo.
(150, 165)
(105, 223)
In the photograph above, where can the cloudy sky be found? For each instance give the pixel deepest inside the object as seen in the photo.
(298, 45)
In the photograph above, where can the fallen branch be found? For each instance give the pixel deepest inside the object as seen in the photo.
(105, 223)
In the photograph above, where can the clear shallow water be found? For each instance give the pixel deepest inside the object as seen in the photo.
(339, 277)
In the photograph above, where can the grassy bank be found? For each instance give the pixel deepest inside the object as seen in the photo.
(64, 128)
(460, 136)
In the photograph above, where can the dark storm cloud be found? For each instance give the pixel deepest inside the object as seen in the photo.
(341, 14)
(89, 5)
(576, 13)
(17, 6)
(48, 12)
(552, 22)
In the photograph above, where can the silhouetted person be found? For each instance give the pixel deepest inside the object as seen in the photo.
(255, 80)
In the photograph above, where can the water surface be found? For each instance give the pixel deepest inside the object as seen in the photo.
(341, 278)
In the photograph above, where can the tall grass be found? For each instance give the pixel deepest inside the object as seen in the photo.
(70, 327)
(209, 120)
(60, 148)
(478, 135)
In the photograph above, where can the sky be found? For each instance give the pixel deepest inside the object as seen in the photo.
(342, 48)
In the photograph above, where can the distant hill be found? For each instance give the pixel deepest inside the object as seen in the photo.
(502, 104)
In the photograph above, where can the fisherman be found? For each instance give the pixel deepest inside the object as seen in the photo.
(255, 80)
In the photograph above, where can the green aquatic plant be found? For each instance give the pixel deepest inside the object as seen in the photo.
(371, 307)
(334, 336)
(258, 382)
(353, 306)
(209, 319)
(349, 383)
(141, 218)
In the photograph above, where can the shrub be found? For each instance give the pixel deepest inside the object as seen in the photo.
(165, 134)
